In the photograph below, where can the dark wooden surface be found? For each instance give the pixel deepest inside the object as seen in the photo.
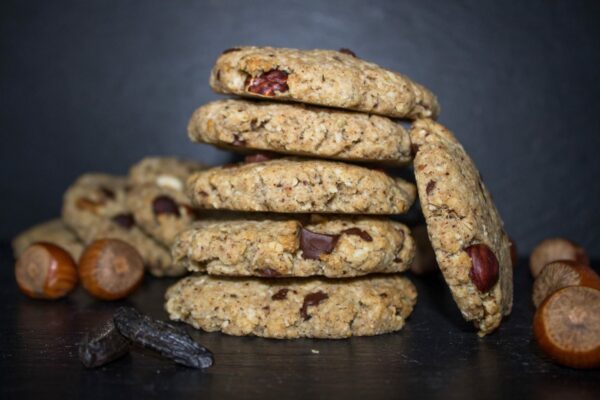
(437, 355)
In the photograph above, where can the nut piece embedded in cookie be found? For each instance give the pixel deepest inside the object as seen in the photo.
(321, 77)
(466, 231)
(293, 185)
(298, 129)
(285, 246)
(293, 308)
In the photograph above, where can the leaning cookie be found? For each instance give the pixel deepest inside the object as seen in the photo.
(335, 247)
(54, 231)
(293, 308)
(292, 185)
(321, 77)
(168, 172)
(95, 207)
(162, 212)
(296, 129)
(464, 226)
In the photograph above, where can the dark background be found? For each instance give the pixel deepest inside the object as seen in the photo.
(98, 85)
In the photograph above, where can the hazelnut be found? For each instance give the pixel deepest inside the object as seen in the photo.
(485, 270)
(566, 326)
(46, 271)
(559, 274)
(555, 249)
(110, 269)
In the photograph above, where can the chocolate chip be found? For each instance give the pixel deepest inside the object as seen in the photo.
(312, 299)
(430, 187)
(268, 272)
(358, 232)
(231, 50)
(281, 294)
(107, 192)
(164, 204)
(124, 220)
(314, 244)
(237, 141)
(267, 83)
(347, 51)
(258, 157)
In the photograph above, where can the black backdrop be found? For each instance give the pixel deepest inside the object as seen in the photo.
(97, 85)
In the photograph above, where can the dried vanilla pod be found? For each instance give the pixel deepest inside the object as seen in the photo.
(172, 342)
(102, 346)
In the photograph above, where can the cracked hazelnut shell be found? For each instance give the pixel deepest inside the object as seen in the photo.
(566, 327)
(46, 271)
(110, 269)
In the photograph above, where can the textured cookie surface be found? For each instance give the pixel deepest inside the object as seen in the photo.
(54, 231)
(288, 308)
(292, 185)
(95, 207)
(333, 247)
(168, 172)
(301, 130)
(459, 213)
(161, 211)
(321, 77)
(157, 196)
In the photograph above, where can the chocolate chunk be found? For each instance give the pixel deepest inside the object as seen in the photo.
(164, 204)
(314, 244)
(258, 157)
(124, 220)
(237, 141)
(269, 273)
(267, 83)
(281, 294)
(430, 187)
(347, 51)
(231, 50)
(107, 192)
(358, 232)
(312, 299)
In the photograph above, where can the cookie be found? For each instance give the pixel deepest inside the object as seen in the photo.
(332, 247)
(293, 308)
(167, 172)
(321, 77)
(291, 185)
(464, 226)
(54, 231)
(95, 207)
(296, 129)
(161, 211)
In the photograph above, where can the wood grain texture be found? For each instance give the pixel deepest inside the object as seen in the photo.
(437, 355)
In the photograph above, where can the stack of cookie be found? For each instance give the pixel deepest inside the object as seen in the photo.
(311, 225)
